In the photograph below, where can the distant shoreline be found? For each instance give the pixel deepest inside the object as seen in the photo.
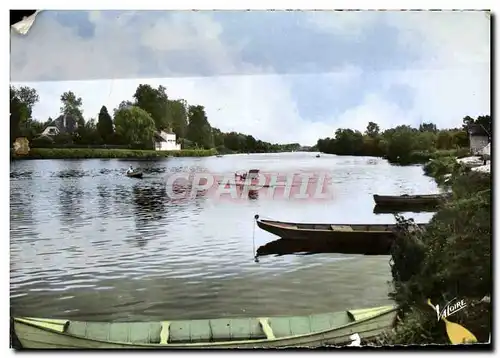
(93, 153)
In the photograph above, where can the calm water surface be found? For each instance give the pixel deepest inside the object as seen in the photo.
(89, 243)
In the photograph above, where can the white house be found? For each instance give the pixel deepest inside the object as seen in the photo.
(166, 141)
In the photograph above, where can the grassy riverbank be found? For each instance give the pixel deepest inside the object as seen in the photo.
(450, 259)
(92, 153)
(419, 157)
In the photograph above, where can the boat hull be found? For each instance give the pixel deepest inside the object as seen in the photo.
(409, 200)
(137, 175)
(376, 239)
(32, 336)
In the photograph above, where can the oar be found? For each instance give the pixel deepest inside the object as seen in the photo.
(456, 333)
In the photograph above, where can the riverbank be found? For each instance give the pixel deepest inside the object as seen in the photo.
(93, 153)
(421, 157)
(450, 259)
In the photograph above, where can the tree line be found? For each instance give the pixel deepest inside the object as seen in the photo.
(133, 123)
(397, 144)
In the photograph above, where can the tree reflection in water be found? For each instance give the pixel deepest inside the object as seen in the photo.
(149, 208)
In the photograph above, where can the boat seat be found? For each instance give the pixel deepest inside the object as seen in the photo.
(341, 228)
(215, 330)
(136, 332)
(290, 326)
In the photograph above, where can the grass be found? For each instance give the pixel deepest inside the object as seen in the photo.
(424, 156)
(92, 153)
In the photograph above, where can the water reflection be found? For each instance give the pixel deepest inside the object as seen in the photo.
(134, 253)
(283, 246)
(394, 209)
(149, 209)
(70, 203)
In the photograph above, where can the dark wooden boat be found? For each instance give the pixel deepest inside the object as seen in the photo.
(135, 174)
(314, 330)
(381, 235)
(428, 199)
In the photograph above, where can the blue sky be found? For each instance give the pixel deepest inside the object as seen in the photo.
(280, 76)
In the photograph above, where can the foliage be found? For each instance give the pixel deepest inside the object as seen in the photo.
(199, 130)
(168, 114)
(134, 125)
(154, 101)
(484, 121)
(84, 153)
(22, 100)
(439, 167)
(402, 144)
(189, 122)
(450, 258)
(42, 142)
(179, 114)
(105, 125)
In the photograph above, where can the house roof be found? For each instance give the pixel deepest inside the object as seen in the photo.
(477, 129)
(158, 136)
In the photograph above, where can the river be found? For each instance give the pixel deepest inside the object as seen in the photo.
(87, 242)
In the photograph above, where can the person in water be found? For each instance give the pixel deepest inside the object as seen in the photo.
(130, 170)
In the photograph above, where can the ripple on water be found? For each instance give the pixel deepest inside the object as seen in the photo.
(82, 227)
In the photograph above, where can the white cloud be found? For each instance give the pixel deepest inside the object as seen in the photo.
(342, 23)
(232, 103)
(374, 109)
(450, 80)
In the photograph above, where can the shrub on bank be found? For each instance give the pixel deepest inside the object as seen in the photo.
(88, 153)
(451, 258)
(439, 167)
(419, 156)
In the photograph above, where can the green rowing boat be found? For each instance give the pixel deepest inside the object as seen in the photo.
(266, 332)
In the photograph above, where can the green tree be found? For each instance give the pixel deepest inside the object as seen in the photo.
(444, 140)
(22, 101)
(199, 130)
(156, 103)
(105, 125)
(427, 127)
(179, 113)
(400, 143)
(372, 129)
(348, 141)
(134, 125)
(18, 114)
(425, 140)
(71, 105)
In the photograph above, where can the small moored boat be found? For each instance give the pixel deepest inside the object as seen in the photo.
(427, 199)
(135, 174)
(265, 332)
(351, 234)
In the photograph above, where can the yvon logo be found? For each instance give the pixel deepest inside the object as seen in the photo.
(450, 308)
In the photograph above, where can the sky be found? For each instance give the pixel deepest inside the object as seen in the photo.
(280, 76)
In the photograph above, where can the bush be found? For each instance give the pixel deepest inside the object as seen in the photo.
(42, 142)
(451, 258)
(420, 156)
(438, 168)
